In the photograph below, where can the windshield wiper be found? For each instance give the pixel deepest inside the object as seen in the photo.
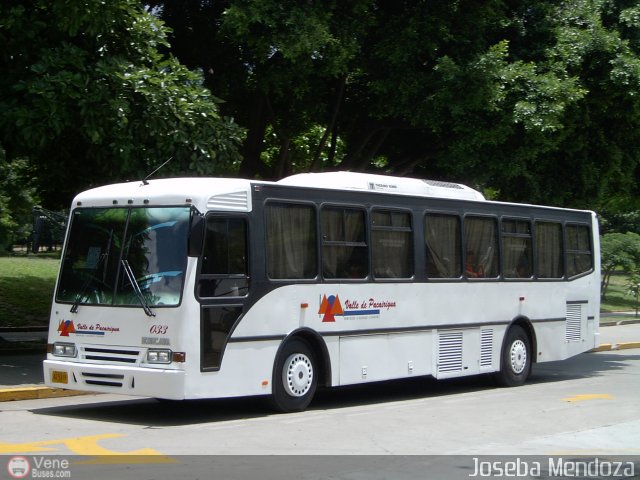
(136, 288)
(82, 294)
(83, 291)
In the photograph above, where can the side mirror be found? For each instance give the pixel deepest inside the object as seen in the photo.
(196, 235)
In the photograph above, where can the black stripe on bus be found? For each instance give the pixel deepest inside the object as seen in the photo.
(381, 331)
(257, 338)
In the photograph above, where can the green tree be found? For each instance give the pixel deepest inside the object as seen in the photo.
(538, 100)
(17, 197)
(623, 221)
(283, 68)
(619, 252)
(633, 289)
(88, 97)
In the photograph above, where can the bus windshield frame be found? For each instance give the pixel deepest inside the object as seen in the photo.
(125, 256)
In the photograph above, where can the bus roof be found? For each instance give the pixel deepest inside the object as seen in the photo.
(233, 194)
(203, 193)
(382, 183)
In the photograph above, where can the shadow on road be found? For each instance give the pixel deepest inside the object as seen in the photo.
(582, 366)
(155, 413)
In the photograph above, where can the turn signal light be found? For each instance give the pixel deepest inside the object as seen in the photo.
(179, 357)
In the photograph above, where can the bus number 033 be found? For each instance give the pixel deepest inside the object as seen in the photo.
(159, 329)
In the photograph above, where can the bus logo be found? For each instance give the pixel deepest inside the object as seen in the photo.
(65, 327)
(329, 307)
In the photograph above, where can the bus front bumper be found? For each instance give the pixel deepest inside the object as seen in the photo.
(144, 382)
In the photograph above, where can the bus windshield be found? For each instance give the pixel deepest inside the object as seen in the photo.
(125, 256)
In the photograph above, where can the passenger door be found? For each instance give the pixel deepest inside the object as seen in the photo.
(223, 284)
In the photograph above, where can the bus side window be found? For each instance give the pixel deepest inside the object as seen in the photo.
(291, 241)
(224, 270)
(443, 244)
(579, 253)
(344, 247)
(549, 255)
(392, 244)
(516, 248)
(481, 242)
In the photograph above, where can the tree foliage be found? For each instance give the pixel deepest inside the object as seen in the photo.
(633, 289)
(87, 96)
(538, 100)
(619, 252)
(620, 222)
(18, 194)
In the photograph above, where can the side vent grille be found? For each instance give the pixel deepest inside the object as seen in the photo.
(573, 331)
(450, 352)
(486, 347)
(237, 201)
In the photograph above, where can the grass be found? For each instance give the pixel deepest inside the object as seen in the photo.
(617, 299)
(26, 290)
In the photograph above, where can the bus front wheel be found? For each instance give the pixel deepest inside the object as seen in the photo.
(295, 377)
(515, 364)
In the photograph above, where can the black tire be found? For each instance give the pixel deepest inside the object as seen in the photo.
(515, 364)
(295, 377)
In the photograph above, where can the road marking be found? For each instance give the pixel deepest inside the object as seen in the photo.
(87, 446)
(588, 396)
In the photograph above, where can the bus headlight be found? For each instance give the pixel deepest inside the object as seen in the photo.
(64, 350)
(159, 356)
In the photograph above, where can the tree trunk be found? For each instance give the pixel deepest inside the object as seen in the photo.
(252, 165)
(317, 162)
(282, 168)
(352, 159)
(604, 284)
(333, 146)
(364, 161)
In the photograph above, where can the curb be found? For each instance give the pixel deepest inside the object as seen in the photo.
(23, 351)
(34, 393)
(608, 347)
(613, 323)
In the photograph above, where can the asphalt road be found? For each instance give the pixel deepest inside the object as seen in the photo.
(585, 406)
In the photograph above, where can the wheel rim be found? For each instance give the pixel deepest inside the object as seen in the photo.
(297, 374)
(518, 356)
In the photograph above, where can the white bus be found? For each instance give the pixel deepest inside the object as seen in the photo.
(207, 287)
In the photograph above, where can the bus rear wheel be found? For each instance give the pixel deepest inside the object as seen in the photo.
(295, 377)
(515, 364)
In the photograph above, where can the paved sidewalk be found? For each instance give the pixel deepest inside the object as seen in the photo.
(22, 378)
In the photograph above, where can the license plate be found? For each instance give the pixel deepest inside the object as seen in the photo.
(59, 377)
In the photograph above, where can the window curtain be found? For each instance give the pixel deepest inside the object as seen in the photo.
(549, 250)
(344, 252)
(392, 254)
(516, 257)
(481, 251)
(442, 238)
(291, 241)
